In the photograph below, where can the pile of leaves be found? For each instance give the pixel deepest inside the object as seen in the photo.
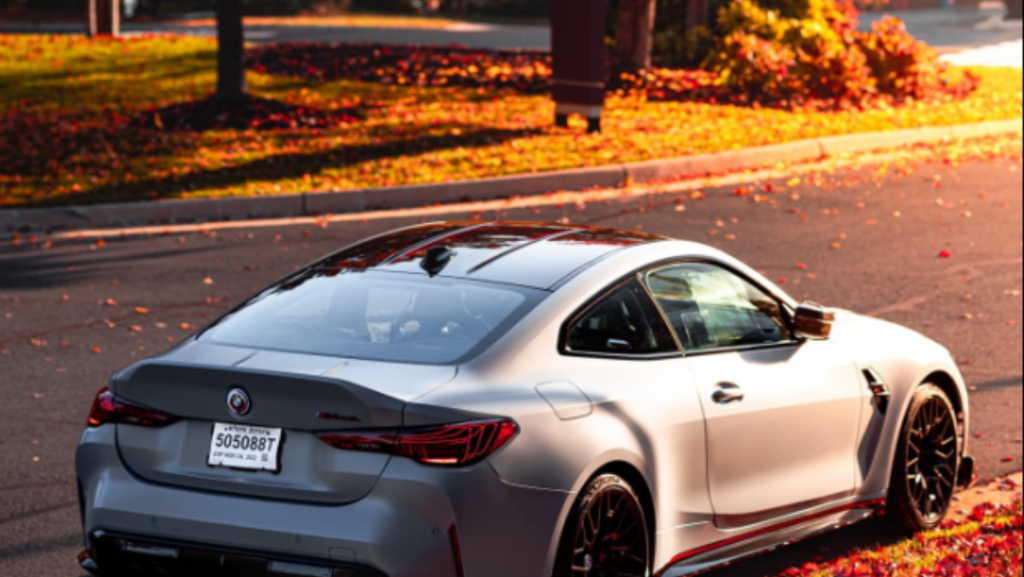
(989, 545)
(811, 53)
(525, 72)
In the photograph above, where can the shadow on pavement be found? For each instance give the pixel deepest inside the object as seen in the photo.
(822, 550)
(33, 270)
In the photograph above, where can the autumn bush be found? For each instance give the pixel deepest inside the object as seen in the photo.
(810, 52)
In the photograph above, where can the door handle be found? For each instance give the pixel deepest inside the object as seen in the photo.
(728, 394)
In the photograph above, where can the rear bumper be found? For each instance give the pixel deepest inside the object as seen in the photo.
(113, 555)
(402, 529)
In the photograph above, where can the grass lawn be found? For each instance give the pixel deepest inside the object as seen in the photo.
(91, 121)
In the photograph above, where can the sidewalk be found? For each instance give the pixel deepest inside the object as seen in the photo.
(952, 30)
(489, 36)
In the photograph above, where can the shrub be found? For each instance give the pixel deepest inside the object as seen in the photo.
(906, 68)
(809, 52)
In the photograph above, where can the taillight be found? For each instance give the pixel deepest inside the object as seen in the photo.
(108, 409)
(446, 446)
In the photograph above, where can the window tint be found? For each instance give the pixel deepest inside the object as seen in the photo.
(376, 316)
(625, 322)
(712, 308)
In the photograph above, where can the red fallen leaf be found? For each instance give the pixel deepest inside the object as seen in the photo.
(1009, 459)
(979, 435)
(967, 362)
(801, 266)
(96, 350)
(783, 280)
(945, 254)
(101, 243)
(741, 191)
(65, 298)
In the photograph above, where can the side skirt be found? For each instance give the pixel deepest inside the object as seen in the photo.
(767, 540)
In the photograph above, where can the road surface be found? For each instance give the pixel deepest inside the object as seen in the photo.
(68, 315)
(950, 31)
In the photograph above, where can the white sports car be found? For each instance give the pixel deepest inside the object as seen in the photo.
(516, 400)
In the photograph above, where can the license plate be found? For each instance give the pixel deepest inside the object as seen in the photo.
(245, 447)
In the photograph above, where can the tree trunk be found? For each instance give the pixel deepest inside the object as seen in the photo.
(231, 83)
(634, 35)
(103, 18)
(698, 14)
(1014, 9)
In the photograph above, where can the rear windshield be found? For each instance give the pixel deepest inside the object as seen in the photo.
(377, 316)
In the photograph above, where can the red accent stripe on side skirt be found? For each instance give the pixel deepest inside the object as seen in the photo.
(460, 569)
(877, 505)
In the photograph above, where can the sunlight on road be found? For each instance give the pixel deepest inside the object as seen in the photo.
(1006, 54)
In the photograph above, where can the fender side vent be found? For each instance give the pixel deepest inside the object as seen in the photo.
(879, 389)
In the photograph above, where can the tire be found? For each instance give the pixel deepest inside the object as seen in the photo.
(927, 463)
(621, 542)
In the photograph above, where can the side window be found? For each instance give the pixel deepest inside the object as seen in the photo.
(625, 322)
(712, 308)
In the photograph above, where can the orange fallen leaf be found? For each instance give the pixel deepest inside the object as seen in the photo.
(141, 311)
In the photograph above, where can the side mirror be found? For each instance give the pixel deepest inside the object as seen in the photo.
(814, 321)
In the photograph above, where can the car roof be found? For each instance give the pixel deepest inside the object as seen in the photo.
(535, 255)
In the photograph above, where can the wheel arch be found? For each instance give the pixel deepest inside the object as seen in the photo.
(948, 384)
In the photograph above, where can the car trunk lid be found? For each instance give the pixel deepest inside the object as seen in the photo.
(299, 394)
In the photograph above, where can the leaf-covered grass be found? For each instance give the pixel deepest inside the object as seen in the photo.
(98, 121)
(988, 545)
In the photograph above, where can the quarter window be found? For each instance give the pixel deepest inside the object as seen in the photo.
(711, 308)
(625, 322)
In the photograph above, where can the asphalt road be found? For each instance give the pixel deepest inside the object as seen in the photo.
(68, 315)
(947, 30)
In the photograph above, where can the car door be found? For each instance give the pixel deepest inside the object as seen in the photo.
(782, 415)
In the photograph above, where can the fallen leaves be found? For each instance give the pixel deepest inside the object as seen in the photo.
(945, 254)
(482, 114)
(991, 536)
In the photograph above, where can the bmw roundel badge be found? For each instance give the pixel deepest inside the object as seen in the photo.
(239, 403)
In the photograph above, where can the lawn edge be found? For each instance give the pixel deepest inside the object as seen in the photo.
(354, 201)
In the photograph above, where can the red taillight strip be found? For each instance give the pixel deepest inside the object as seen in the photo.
(109, 409)
(878, 504)
(460, 445)
(460, 567)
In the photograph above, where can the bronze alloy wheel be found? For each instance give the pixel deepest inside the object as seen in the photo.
(925, 475)
(608, 533)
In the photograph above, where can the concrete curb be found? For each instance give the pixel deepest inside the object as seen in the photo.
(311, 204)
